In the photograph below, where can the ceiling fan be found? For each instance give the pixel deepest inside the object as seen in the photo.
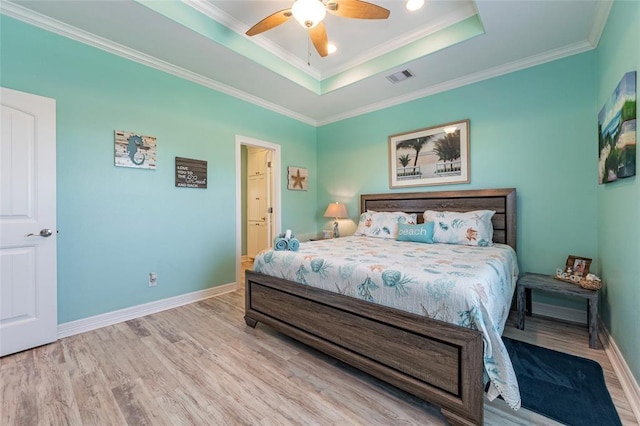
(310, 13)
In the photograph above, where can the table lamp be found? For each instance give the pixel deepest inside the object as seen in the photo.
(337, 211)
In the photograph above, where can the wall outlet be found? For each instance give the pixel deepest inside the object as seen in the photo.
(153, 279)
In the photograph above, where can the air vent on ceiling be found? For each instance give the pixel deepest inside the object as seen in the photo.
(399, 76)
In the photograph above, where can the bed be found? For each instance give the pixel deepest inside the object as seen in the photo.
(440, 362)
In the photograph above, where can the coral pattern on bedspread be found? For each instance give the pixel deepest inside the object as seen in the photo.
(464, 285)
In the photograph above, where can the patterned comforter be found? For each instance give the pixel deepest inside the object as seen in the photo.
(468, 286)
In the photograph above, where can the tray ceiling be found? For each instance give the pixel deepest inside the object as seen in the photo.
(446, 44)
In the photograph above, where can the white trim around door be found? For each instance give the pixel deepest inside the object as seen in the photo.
(276, 195)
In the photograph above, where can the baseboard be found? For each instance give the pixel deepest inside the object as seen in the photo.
(559, 312)
(87, 324)
(627, 380)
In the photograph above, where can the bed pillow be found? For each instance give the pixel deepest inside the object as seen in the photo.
(422, 233)
(472, 228)
(383, 224)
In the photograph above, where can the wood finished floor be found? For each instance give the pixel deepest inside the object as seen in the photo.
(200, 364)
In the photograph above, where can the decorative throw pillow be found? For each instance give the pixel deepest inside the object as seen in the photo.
(472, 228)
(422, 233)
(383, 224)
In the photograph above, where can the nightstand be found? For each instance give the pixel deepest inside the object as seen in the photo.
(547, 283)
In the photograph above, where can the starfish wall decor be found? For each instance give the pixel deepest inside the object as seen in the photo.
(298, 178)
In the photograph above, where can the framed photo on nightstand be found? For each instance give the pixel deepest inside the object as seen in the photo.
(578, 266)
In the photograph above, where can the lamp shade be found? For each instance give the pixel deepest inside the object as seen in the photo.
(337, 210)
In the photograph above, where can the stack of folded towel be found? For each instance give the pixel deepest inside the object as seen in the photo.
(286, 241)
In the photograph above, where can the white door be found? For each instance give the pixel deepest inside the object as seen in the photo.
(256, 161)
(257, 198)
(256, 238)
(28, 281)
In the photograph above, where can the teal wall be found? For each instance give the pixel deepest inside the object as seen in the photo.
(118, 224)
(619, 202)
(533, 130)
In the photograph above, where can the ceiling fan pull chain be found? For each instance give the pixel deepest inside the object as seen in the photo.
(308, 51)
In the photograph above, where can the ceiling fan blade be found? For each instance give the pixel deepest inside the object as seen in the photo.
(356, 9)
(270, 22)
(319, 39)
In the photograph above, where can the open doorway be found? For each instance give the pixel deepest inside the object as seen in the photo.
(257, 198)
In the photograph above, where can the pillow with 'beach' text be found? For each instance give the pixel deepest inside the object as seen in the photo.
(422, 233)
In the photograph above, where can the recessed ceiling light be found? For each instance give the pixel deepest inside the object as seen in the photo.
(331, 48)
(414, 5)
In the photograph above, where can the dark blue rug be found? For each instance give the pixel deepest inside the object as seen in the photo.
(563, 387)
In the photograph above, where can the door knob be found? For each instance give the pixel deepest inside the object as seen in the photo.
(45, 232)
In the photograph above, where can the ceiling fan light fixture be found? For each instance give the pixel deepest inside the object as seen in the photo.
(413, 5)
(308, 12)
(331, 48)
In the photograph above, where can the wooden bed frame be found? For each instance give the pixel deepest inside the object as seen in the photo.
(439, 362)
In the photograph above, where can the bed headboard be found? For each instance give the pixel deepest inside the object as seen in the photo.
(503, 201)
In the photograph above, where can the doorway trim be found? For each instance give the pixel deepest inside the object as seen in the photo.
(276, 195)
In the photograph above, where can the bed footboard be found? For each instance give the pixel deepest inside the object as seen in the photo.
(436, 361)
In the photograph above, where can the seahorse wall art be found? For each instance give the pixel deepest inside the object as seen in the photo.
(135, 150)
(135, 143)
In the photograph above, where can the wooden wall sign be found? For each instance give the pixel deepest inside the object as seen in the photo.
(191, 173)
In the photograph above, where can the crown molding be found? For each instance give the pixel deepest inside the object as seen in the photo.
(603, 8)
(52, 25)
(552, 55)
(49, 24)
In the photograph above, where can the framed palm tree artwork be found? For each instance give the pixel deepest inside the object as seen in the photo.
(436, 155)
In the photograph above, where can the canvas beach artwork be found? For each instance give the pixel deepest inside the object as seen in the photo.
(617, 132)
(135, 150)
(436, 155)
